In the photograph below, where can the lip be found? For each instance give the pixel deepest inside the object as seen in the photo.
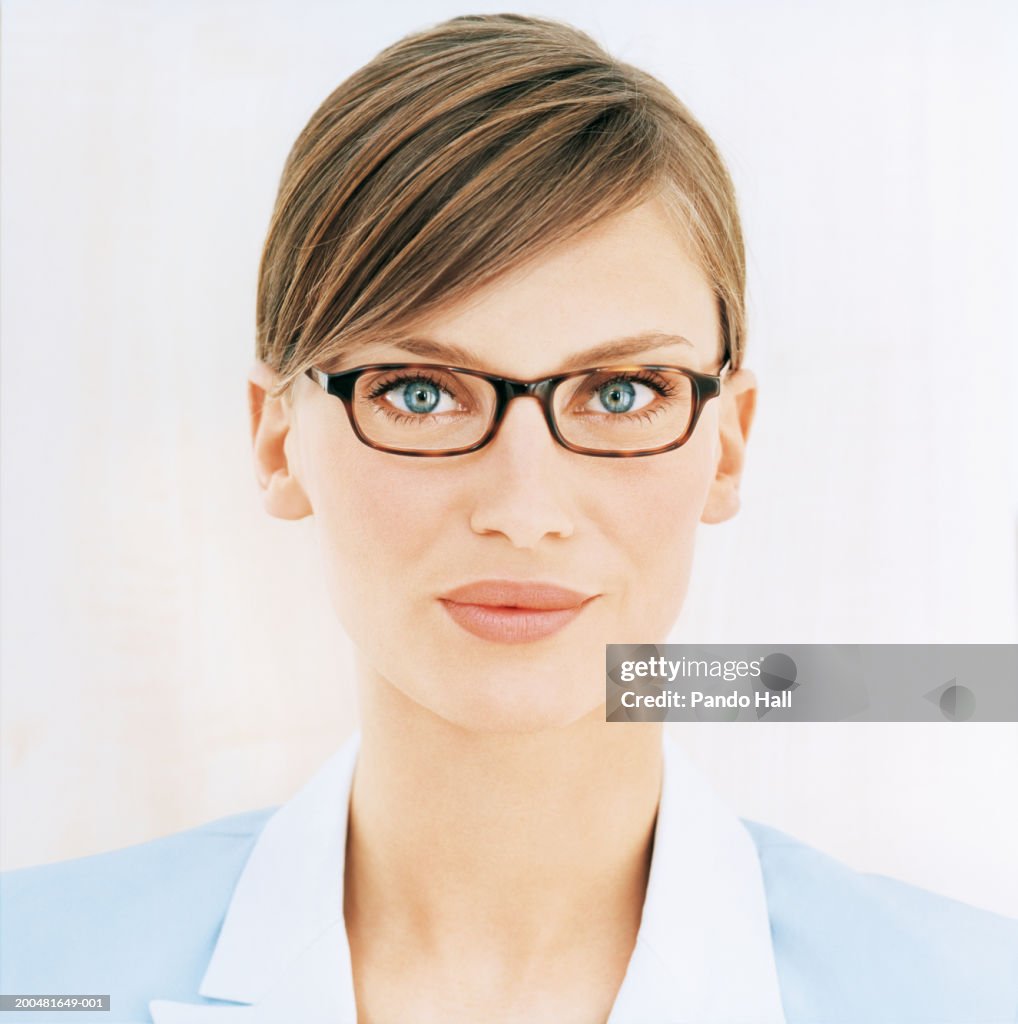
(507, 611)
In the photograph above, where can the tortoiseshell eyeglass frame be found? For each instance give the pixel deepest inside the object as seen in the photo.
(705, 386)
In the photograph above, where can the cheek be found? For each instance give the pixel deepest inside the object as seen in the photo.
(375, 519)
(662, 497)
(654, 524)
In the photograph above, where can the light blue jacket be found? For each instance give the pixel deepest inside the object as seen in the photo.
(240, 919)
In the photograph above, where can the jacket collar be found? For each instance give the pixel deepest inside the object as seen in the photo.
(703, 953)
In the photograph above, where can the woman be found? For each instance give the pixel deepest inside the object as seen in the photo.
(492, 212)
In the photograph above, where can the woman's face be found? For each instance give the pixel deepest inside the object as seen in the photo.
(397, 533)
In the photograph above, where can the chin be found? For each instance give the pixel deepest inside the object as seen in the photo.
(514, 706)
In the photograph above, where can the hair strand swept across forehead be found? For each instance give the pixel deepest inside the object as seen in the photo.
(457, 154)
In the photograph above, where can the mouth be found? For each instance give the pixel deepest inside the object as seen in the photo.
(508, 612)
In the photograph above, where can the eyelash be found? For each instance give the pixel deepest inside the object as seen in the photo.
(384, 386)
(662, 387)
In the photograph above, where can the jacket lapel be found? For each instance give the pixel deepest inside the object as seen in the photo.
(282, 952)
(703, 953)
(312, 990)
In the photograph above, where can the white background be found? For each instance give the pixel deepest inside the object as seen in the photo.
(169, 654)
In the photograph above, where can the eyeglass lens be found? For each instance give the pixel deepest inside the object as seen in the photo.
(435, 409)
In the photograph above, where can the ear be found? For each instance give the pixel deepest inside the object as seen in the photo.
(271, 422)
(738, 405)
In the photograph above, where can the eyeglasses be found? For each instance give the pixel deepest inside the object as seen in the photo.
(421, 409)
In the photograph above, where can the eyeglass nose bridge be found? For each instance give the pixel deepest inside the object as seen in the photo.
(509, 389)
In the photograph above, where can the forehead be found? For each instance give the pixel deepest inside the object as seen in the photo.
(629, 276)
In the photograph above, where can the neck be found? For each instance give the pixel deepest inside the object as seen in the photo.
(456, 835)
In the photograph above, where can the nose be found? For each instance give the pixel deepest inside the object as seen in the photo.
(522, 489)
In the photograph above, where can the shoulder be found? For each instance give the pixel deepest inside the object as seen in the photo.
(128, 922)
(848, 943)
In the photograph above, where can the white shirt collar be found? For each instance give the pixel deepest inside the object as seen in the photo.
(703, 954)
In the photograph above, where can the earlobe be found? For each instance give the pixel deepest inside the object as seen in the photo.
(272, 439)
(738, 406)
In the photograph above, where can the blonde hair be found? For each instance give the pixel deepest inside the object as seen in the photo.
(458, 153)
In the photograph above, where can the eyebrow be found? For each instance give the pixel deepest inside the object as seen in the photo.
(618, 348)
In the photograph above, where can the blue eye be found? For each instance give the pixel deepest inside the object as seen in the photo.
(419, 396)
(621, 396)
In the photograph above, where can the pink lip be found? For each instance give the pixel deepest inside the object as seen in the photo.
(508, 612)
